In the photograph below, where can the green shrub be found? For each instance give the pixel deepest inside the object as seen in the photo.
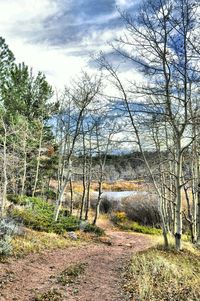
(133, 226)
(70, 223)
(121, 220)
(16, 199)
(50, 194)
(39, 215)
(29, 201)
(43, 220)
(94, 229)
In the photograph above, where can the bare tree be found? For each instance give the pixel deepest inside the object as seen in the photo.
(158, 42)
(71, 117)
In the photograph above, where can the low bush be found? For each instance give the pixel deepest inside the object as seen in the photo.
(121, 220)
(5, 246)
(94, 229)
(38, 214)
(119, 217)
(10, 227)
(142, 208)
(17, 199)
(42, 220)
(134, 226)
(50, 194)
(108, 205)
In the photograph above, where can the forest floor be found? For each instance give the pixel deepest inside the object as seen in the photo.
(89, 272)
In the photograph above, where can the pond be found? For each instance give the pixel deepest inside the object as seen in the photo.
(118, 195)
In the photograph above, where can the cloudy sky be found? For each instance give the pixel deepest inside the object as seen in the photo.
(58, 37)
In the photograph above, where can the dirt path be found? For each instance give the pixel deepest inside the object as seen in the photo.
(22, 279)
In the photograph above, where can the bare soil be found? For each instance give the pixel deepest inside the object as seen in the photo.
(22, 279)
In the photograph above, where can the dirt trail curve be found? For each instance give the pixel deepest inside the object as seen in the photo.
(21, 279)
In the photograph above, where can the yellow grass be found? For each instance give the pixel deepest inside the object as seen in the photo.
(116, 186)
(36, 242)
(156, 274)
(120, 185)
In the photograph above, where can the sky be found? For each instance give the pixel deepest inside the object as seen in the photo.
(59, 37)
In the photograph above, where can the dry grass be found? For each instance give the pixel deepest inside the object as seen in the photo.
(51, 295)
(159, 275)
(121, 185)
(35, 242)
(71, 274)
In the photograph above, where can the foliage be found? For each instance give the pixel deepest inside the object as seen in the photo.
(94, 229)
(26, 94)
(6, 61)
(121, 220)
(134, 226)
(38, 214)
(119, 217)
(165, 276)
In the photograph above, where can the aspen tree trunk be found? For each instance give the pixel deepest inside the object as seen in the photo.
(97, 209)
(61, 194)
(84, 176)
(38, 161)
(71, 196)
(87, 206)
(194, 197)
(198, 185)
(172, 197)
(179, 223)
(190, 218)
(83, 195)
(102, 162)
(5, 177)
(24, 167)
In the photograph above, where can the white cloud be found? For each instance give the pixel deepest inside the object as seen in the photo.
(20, 17)
(125, 3)
(54, 62)
(22, 13)
(22, 22)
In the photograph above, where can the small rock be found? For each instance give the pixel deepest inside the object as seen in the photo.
(72, 235)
